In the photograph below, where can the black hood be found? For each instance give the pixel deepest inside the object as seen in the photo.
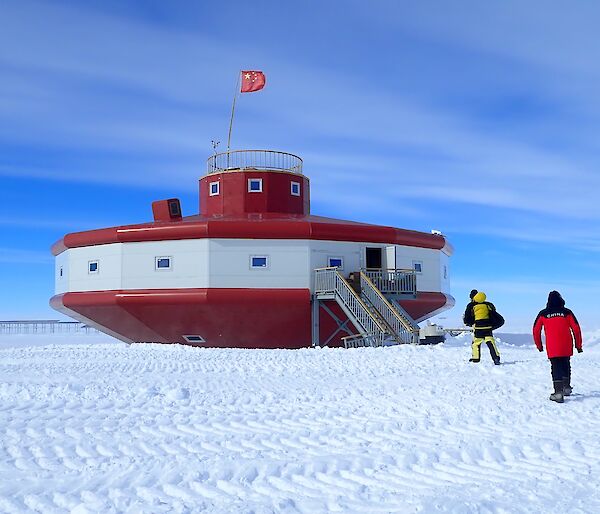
(555, 300)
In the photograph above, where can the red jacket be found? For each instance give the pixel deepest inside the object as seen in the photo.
(561, 329)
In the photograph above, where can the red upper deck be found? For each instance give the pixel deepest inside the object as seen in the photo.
(254, 181)
(253, 194)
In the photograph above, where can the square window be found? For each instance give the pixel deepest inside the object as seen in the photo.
(259, 261)
(418, 266)
(214, 188)
(175, 208)
(295, 188)
(93, 267)
(255, 185)
(335, 262)
(162, 263)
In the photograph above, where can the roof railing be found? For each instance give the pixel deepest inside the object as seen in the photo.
(263, 160)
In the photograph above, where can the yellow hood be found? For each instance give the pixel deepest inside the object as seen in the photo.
(479, 297)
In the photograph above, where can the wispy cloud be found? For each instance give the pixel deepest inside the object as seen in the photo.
(52, 224)
(87, 44)
(556, 37)
(519, 299)
(519, 286)
(20, 256)
(420, 150)
(148, 176)
(551, 231)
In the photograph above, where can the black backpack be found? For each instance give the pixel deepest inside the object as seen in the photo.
(496, 319)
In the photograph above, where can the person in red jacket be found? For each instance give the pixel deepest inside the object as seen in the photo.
(562, 330)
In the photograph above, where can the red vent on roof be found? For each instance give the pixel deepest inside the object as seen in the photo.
(167, 210)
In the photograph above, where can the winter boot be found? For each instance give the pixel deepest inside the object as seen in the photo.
(494, 352)
(557, 395)
(474, 360)
(567, 389)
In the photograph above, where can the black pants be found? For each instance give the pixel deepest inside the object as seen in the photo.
(561, 368)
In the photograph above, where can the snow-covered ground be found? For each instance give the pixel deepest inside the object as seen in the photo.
(89, 425)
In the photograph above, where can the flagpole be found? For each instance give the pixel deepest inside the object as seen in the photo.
(237, 90)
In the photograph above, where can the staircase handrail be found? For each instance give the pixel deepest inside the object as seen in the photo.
(396, 281)
(405, 330)
(402, 312)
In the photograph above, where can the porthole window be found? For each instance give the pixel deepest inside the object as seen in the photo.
(163, 263)
(214, 188)
(259, 261)
(295, 188)
(93, 267)
(255, 185)
(335, 262)
(418, 266)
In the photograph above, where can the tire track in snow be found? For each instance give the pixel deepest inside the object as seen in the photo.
(241, 428)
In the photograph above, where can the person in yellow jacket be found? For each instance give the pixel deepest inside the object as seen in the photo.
(484, 318)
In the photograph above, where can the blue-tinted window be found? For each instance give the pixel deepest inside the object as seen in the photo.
(93, 267)
(418, 266)
(255, 185)
(214, 188)
(336, 262)
(259, 262)
(163, 263)
(295, 188)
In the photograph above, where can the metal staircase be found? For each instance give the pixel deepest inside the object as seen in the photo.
(400, 326)
(379, 320)
(331, 285)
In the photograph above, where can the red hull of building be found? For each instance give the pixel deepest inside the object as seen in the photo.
(242, 318)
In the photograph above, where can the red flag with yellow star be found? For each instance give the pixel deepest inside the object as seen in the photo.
(252, 81)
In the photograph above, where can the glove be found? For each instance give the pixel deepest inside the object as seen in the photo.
(579, 350)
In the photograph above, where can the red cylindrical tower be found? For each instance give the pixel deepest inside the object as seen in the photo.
(254, 181)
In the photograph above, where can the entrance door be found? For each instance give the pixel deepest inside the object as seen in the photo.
(390, 258)
(373, 258)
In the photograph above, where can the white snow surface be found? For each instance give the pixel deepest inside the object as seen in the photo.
(90, 425)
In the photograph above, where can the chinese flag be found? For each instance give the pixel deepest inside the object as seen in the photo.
(252, 81)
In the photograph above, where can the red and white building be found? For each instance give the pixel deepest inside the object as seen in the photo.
(253, 269)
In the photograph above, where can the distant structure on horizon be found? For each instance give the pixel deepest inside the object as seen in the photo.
(254, 269)
(44, 326)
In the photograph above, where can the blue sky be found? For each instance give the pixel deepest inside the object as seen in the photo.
(479, 119)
